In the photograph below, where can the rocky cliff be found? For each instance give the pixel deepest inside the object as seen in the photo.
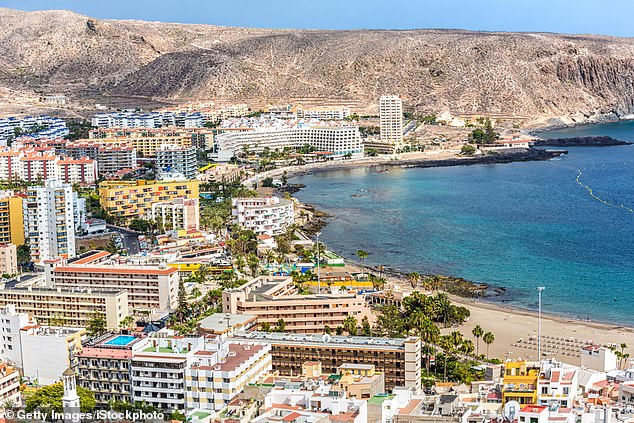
(521, 74)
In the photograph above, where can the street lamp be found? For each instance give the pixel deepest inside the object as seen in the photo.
(539, 322)
(318, 266)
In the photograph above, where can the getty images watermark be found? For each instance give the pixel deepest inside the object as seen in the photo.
(130, 415)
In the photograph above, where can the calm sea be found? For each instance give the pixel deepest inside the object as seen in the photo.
(518, 225)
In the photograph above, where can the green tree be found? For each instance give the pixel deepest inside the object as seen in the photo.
(280, 326)
(350, 325)
(126, 322)
(488, 339)
(366, 328)
(477, 333)
(253, 262)
(413, 278)
(139, 225)
(23, 256)
(362, 254)
(327, 330)
(50, 398)
(96, 325)
(468, 150)
(265, 326)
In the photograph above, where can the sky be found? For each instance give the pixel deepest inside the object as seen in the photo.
(609, 17)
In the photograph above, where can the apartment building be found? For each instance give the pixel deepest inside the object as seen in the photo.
(10, 385)
(11, 322)
(399, 359)
(391, 119)
(599, 358)
(147, 287)
(176, 162)
(38, 127)
(199, 138)
(217, 374)
(111, 157)
(49, 213)
(271, 298)
(264, 216)
(557, 384)
(170, 372)
(33, 165)
(134, 119)
(72, 308)
(48, 351)
(11, 218)
(520, 382)
(8, 259)
(323, 112)
(180, 213)
(129, 199)
(338, 141)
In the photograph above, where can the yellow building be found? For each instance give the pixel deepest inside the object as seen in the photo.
(11, 219)
(129, 199)
(520, 382)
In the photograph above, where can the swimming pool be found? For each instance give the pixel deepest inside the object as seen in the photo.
(120, 340)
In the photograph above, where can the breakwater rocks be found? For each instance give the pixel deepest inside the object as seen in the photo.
(600, 141)
(491, 157)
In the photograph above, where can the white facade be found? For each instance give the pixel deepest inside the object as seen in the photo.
(28, 165)
(49, 221)
(598, 358)
(264, 216)
(10, 324)
(181, 213)
(50, 127)
(391, 119)
(9, 386)
(47, 352)
(557, 384)
(172, 159)
(133, 119)
(337, 140)
(323, 112)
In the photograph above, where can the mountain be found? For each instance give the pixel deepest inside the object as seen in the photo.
(539, 75)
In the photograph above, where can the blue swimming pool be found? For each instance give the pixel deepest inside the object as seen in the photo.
(120, 340)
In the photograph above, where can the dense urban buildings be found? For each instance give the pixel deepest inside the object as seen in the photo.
(129, 199)
(50, 213)
(147, 287)
(171, 372)
(391, 119)
(264, 216)
(398, 359)
(338, 140)
(323, 112)
(67, 307)
(38, 127)
(10, 385)
(271, 298)
(30, 165)
(111, 157)
(133, 119)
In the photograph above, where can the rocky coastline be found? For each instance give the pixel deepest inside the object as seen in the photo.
(599, 141)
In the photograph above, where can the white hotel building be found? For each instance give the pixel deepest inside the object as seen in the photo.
(264, 216)
(391, 119)
(338, 140)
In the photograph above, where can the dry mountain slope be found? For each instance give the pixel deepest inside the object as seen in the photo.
(545, 75)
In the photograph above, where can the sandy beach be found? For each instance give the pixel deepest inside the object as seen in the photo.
(509, 325)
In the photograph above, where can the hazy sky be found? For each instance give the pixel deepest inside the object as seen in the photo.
(612, 17)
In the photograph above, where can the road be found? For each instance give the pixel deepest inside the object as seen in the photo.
(129, 237)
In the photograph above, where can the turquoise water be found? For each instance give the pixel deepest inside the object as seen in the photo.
(121, 340)
(518, 225)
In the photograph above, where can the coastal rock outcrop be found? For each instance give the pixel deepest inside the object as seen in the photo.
(580, 142)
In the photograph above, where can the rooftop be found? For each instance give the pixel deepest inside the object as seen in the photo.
(220, 322)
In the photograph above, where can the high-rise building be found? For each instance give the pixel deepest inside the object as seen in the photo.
(391, 119)
(11, 218)
(180, 213)
(176, 162)
(50, 220)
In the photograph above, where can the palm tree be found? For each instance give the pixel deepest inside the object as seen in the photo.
(467, 347)
(488, 339)
(436, 283)
(414, 278)
(477, 333)
(443, 308)
(377, 283)
(350, 324)
(428, 333)
(201, 274)
(445, 343)
(253, 262)
(362, 254)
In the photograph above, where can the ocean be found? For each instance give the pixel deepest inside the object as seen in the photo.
(566, 224)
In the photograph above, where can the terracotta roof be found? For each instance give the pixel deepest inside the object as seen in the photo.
(532, 408)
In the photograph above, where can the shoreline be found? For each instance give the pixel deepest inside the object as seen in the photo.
(510, 322)
(436, 158)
